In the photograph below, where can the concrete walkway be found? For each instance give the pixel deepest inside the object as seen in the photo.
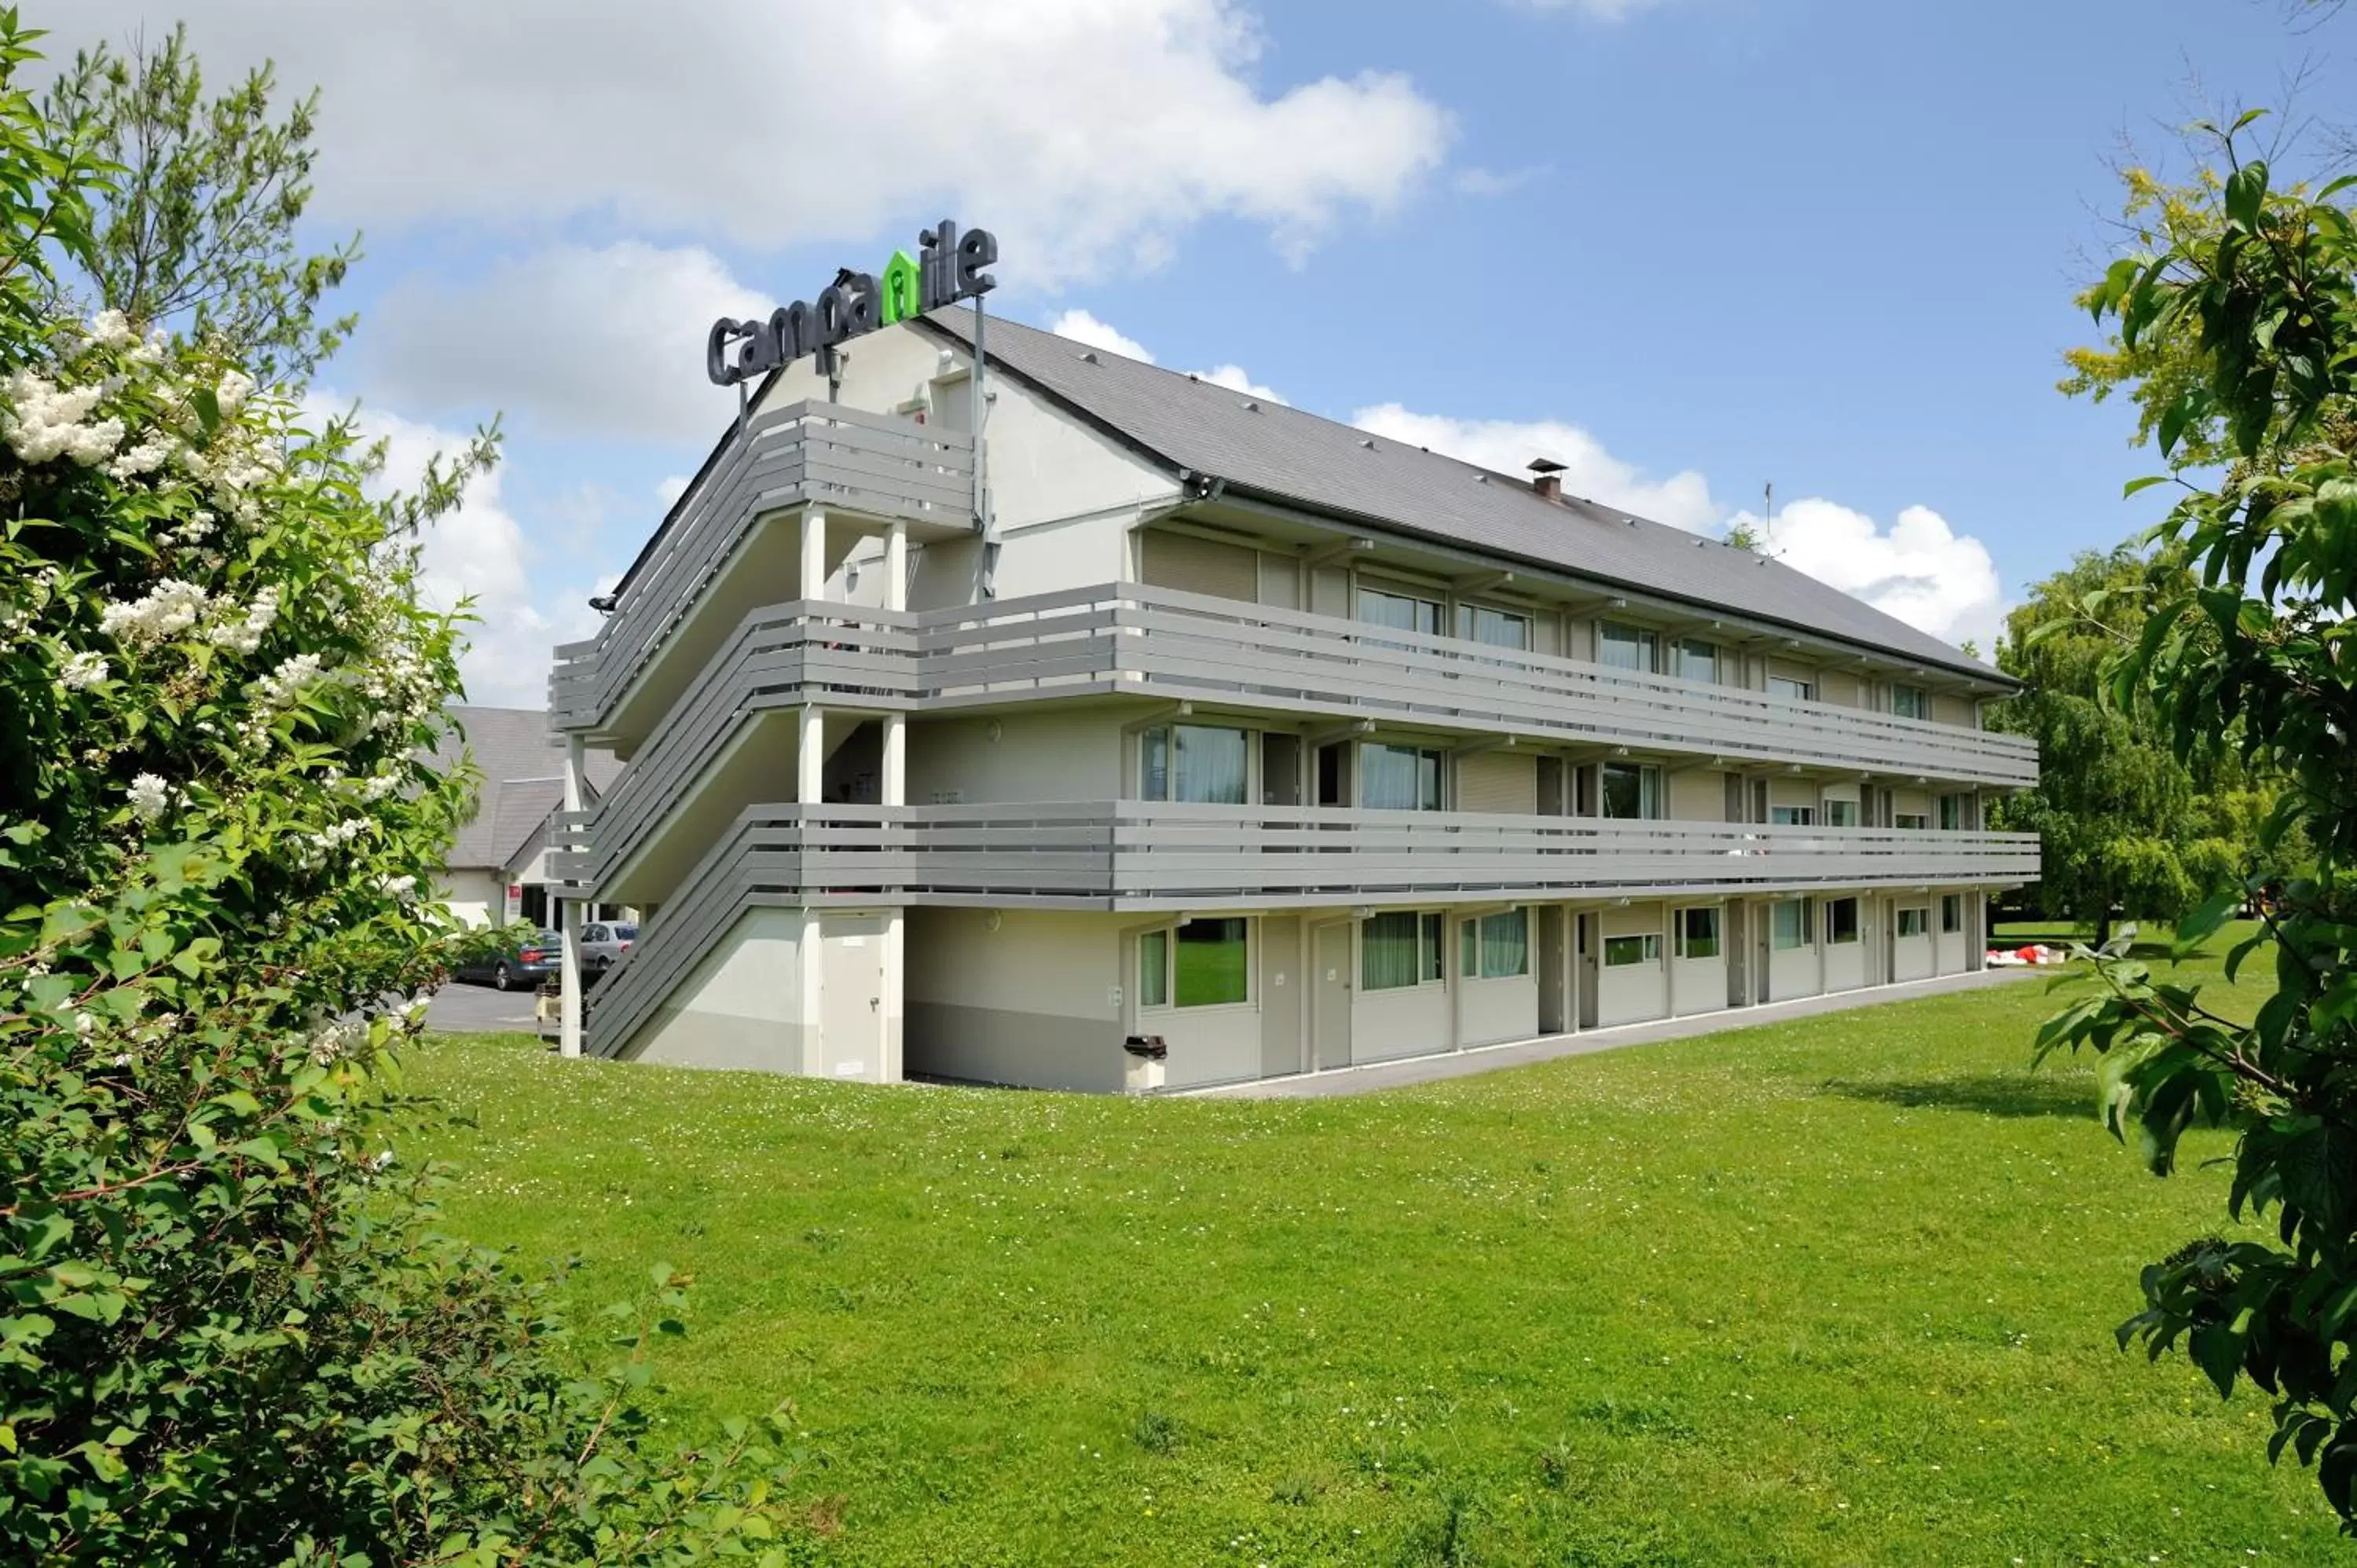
(1520, 1053)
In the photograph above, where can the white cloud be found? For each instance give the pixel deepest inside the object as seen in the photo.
(478, 551)
(1590, 471)
(598, 342)
(1920, 570)
(1600, 10)
(1233, 377)
(1089, 135)
(1082, 328)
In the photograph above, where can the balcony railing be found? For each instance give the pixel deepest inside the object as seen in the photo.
(844, 457)
(1159, 641)
(1128, 855)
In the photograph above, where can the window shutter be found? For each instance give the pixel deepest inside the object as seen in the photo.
(1193, 565)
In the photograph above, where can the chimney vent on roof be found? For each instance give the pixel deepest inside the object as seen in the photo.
(1089, 355)
(1548, 482)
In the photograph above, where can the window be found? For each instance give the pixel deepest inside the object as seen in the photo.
(1399, 777)
(1619, 952)
(1915, 820)
(1792, 816)
(1154, 969)
(1193, 763)
(1399, 949)
(1499, 629)
(1632, 789)
(1790, 690)
(1398, 611)
(1951, 813)
(1914, 922)
(1495, 946)
(1625, 647)
(1697, 660)
(1841, 814)
(1788, 924)
(1841, 921)
(1209, 964)
(1911, 702)
(1203, 963)
(1698, 933)
(1952, 912)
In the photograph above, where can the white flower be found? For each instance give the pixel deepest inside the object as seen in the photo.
(164, 611)
(402, 887)
(243, 636)
(384, 1161)
(335, 1040)
(113, 329)
(284, 684)
(148, 796)
(82, 671)
(235, 387)
(144, 458)
(85, 1024)
(43, 420)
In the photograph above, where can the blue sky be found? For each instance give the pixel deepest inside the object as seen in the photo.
(1689, 245)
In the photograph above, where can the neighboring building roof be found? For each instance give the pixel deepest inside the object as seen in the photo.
(1284, 453)
(522, 760)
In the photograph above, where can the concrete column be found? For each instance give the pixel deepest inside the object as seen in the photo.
(810, 1003)
(814, 582)
(809, 755)
(895, 1008)
(568, 917)
(896, 567)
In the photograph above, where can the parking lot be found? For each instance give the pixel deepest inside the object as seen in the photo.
(462, 1009)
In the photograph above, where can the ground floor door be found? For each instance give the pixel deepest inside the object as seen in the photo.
(1735, 942)
(1331, 993)
(1554, 967)
(1585, 947)
(851, 1009)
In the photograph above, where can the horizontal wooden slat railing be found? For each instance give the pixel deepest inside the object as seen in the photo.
(805, 452)
(1126, 854)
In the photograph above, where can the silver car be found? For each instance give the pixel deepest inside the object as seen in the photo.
(603, 943)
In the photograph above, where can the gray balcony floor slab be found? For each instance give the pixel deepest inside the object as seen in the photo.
(1378, 1076)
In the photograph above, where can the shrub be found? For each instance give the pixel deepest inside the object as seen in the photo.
(227, 1331)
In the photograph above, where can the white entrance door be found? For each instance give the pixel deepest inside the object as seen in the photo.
(851, 1010)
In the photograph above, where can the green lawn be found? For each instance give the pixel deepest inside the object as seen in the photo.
(1835, 1291)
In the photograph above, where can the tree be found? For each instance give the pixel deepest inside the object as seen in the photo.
(2252, 654)
(229, 1333)
(198, 227)
(2125, 826)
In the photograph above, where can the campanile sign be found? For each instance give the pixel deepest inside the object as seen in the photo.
(948, 267)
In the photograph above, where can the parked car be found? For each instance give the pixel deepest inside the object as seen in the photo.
(530, 964)
(603, 943)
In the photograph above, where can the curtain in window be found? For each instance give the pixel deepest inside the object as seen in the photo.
(1790, 927)
(1399, 778)
(1154, 765)
(1210, 766)
(1398, 611)
(1499, 629)
(1505, 945)
(1387, 955)
(1625, 647)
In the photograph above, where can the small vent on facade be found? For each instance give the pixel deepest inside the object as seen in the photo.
(1368, 442)
(1089, 355)
(1251, 407)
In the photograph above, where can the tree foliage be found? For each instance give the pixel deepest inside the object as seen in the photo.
(2252, 654)
(229, 1332)
(198, 226)
(2125, 824)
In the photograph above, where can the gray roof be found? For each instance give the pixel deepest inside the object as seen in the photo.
(522, 760)
(1284, 453)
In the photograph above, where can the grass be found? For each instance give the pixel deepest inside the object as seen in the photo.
(1835, 1291)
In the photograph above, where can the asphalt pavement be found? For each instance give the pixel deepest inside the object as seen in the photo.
(461, 1008)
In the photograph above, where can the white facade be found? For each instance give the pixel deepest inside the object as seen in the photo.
(1122, 781)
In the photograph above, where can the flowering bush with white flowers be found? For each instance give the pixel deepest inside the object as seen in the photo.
(227, 1333)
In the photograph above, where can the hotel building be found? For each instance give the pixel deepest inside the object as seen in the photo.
(1169, 736)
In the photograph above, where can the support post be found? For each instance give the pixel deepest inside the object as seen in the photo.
(809, 755)
(814, 582)
(896, 566)
(568, 915)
